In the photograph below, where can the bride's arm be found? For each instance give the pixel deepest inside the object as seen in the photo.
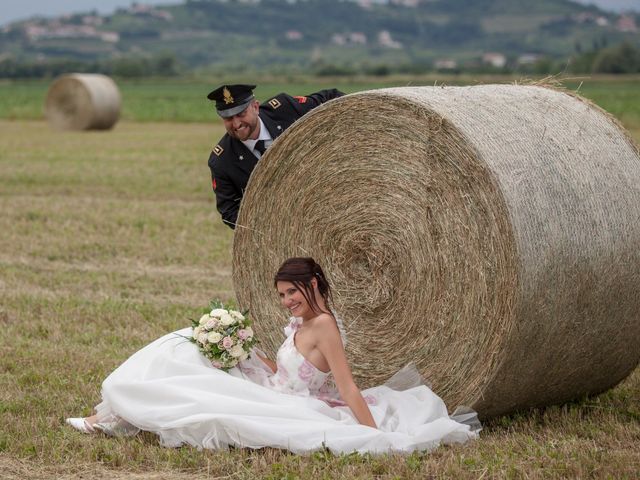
(269, 363)
(329, 343)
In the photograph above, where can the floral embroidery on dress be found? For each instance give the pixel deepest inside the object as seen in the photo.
(305, 371)
(370, 399)
(295, 374)
(248, 369)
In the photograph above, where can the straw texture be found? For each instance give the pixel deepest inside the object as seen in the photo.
(81, 101)
(490, 234)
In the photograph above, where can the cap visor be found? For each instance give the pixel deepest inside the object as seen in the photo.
(230, 112)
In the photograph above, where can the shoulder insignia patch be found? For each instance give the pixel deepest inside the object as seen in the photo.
(275, 103)
(218, 150)
(301, 99)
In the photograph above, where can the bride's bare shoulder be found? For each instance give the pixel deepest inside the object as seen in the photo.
(325, 322)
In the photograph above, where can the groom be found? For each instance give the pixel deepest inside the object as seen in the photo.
(251, 129)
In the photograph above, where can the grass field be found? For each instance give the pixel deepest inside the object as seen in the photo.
(111, 239)
(185, 101)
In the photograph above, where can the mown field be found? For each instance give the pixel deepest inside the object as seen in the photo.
(111, 239)
(185, 100)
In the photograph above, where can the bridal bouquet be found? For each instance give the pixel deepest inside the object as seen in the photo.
(223, 335)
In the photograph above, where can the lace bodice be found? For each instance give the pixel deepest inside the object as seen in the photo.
(295, 374)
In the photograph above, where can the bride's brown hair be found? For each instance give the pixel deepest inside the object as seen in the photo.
(300, 271)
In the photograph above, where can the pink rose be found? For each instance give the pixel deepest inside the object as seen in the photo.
(305, 372)
(211, 324)
(370, 399)
(227, 342)
(216, 364)
(243, 334)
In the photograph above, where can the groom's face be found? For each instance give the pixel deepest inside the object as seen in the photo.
(244, 125)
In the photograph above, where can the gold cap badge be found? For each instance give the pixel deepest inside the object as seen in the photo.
(227, 96)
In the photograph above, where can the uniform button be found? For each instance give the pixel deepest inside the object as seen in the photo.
(241, 157)
(279, 127)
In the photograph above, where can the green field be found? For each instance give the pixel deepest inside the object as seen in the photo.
(185, 101)
(111, 239)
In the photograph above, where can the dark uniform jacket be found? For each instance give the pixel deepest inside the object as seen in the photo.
(231, 162)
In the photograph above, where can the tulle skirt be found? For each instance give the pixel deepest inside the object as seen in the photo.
(170, 389)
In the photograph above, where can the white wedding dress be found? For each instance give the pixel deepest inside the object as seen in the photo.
(169, 388)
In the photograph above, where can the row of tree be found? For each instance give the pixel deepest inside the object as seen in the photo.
(623, 58)
(620, 59)
(161, 65)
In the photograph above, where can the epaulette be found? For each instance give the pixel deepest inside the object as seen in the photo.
(217, 150)
(274, 103)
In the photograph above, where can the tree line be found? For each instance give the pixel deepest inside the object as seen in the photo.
(623, 58)
(160, 65)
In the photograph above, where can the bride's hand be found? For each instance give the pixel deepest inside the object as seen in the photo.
(269, 363)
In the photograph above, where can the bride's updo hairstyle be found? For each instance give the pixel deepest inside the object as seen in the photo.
(300, 271)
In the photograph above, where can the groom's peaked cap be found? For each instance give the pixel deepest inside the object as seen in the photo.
(232, 99)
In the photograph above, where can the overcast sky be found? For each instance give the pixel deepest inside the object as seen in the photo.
(11, 10)
(614, 4)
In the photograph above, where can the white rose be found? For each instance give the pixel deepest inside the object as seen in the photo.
(236, 351)
(204, 319)
(226, 319)
(218, 312)
(214, 337)
(202, 338)
(211, 324)
(249, 331)
(196, 332)
(237, 315)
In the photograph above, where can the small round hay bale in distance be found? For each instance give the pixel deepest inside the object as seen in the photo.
(490, 234)
(83, 101)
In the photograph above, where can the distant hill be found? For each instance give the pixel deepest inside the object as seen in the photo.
(324, 35)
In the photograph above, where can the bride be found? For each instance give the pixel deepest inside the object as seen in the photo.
(304, 401)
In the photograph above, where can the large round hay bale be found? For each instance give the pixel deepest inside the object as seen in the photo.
(83, 101)
(490, 234)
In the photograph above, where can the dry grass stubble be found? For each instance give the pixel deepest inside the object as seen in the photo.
(110, 240)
